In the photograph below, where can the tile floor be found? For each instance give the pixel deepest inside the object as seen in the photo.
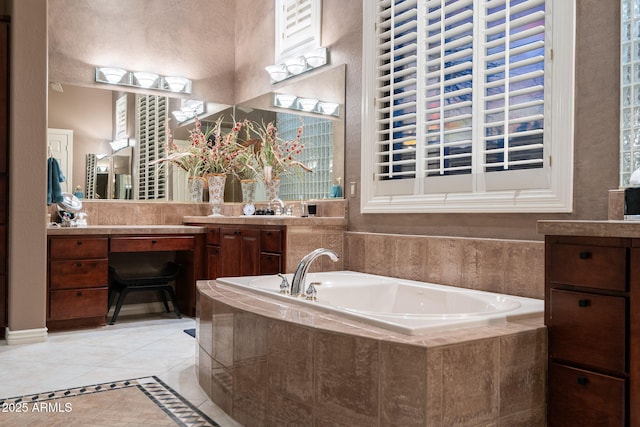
(133, 347)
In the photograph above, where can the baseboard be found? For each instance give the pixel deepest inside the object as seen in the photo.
(26, 336)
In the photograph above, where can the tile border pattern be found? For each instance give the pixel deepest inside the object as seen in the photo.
(167, 399)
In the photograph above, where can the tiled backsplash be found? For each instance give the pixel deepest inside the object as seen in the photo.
(115, 212)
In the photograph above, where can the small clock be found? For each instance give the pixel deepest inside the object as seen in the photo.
(249, 209)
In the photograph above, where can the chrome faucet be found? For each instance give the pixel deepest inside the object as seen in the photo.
(297, 284)
(282, 206)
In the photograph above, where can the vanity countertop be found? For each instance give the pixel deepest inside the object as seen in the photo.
(607, 228)
(268, 220)
(126, 229)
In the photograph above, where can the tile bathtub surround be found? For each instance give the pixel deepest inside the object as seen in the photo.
(513, 267)
(295, 366)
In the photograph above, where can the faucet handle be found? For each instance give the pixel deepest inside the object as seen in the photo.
(284, 285)
(311, 292)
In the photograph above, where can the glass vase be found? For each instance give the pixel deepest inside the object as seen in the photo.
(195, 186)
(248, 190)
(216, 183)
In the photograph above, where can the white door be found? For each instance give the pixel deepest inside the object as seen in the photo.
(61, 147)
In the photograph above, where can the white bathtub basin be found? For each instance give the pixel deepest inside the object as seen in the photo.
(406, 306)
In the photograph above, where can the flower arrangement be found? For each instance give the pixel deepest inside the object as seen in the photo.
(276, 156)
(208, 151)
(223, 149)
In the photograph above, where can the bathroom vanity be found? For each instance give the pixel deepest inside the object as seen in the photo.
(78, 267)
(592, 312)
(206, 246)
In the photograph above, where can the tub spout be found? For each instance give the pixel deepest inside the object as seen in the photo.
(297, 284)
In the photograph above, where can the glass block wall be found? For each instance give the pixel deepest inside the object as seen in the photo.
(630, 90)
(317, 137)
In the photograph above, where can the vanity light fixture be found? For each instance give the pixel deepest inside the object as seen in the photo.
(328, 108)
(297, 65)
(307, 104)
(285, 101)
(189, 108)
(112, 75)
(142, 79)
(177, 84)
(310, 105)
(277, 72)
(145, 79)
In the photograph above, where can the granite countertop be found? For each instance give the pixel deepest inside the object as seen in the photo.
(126, 229)
(268, 220)
(606, 228)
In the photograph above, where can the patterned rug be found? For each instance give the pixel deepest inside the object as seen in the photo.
(136, 402)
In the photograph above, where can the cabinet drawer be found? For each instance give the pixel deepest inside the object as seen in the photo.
(270, 263)
(149, 244)
(78, 274)
(587, 329)
(271, 240)
(582, 398)
(213, 236)
(590, 266)
(77, 303)
(78, 248)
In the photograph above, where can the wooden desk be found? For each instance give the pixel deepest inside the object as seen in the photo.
(78, 261)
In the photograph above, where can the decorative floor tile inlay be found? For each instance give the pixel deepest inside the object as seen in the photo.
(174, 406)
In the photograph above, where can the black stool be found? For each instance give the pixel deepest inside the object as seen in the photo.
(156, 281)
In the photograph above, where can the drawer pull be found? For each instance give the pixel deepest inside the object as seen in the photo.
(79, 293)
(585, 255)
(79, 264)
(79, 242)
(584, 303)
(236, 232)
(153, 242)
(582, 380)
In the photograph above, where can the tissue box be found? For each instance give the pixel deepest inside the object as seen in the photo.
(632, 203)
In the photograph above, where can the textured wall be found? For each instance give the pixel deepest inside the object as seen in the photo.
(27, 216)
(190, 38)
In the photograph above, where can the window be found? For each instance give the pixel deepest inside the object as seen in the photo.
(297, 27)
(630, 90)
(468, 106)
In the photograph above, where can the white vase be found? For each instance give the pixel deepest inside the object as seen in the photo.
(195, 185)
(216, 183)
(273, 189)
(248, 190)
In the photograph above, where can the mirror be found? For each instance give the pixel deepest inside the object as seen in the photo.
(90, 113)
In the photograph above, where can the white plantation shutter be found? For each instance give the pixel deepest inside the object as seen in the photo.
(297, 26)
(396, 91)
(151, 120)
(460, 94)
(512, 133)
(448, 95)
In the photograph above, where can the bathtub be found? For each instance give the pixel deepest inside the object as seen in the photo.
(406, 306)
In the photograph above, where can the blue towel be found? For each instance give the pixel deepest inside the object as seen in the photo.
(54, 178)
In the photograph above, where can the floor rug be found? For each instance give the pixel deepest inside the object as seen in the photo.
(136, 402)
(191, 332)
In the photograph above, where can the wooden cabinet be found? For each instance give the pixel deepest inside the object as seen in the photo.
(588, 306)
(244, 250)
(77, 281)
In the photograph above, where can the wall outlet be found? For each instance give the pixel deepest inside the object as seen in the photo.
(352, 188)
